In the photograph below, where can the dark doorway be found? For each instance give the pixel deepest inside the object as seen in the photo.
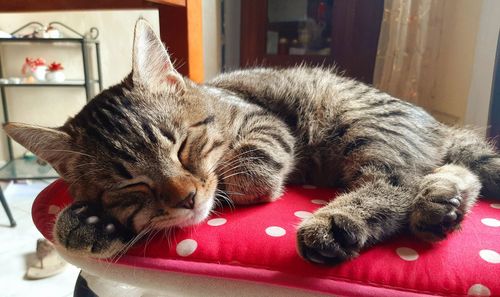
(494, 117)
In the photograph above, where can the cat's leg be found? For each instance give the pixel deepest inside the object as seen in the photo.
(443, 198)
(259, 161)
(354, 220)
(83, 228)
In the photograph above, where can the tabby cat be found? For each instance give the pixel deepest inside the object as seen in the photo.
(158, 150)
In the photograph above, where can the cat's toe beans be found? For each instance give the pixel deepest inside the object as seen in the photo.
(434, 217)
(324, 257)
(92, 220)
(84, 229)
(450, 217)
(344, 237)
(110, 228)
(455, 201)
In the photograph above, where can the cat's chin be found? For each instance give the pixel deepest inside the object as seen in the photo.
(194, 217)
(199, 214)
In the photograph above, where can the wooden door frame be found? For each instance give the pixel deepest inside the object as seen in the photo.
(185, 42)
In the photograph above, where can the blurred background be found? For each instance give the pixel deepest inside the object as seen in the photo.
(439, 54)
(56, 55)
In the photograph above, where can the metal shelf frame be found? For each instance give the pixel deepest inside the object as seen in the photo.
(84, 42)
(22, 169)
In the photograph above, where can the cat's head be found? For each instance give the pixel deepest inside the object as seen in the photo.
(146, 148)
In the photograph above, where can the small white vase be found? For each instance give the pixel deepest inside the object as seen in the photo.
(54, 33)
(39, 73)
(55, 76)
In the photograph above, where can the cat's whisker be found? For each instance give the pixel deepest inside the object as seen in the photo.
(224, 196)
(170, 236)
(85, 164)
(242, 164)
(217, 213)
(76, 178)
(130, 243)
(234, 174)
(234, 193)
(238, 157)
(234, 159)
(69, 151)
(149, 238)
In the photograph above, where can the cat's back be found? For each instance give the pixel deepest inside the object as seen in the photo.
(317, 103)
(336, 119)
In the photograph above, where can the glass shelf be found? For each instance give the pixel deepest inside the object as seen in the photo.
(19, 169)
(46, 40)
(66, 83)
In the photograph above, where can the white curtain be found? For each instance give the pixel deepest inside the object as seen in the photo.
(408, 48)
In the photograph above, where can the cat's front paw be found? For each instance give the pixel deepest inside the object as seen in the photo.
(330, 239)
(82, 228)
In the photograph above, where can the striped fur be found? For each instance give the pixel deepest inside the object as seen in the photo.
(158, 150)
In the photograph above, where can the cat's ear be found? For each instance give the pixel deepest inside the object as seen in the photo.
(48, 144)
(151, 63)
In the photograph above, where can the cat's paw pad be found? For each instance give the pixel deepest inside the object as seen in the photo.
(438, 210)
(330, 240)
(83, 229)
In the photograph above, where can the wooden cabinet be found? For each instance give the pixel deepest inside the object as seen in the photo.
(316, 32)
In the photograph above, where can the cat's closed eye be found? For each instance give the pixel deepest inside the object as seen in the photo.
(140, 183)
(182, 154)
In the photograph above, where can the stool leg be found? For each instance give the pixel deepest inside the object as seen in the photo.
(82, 289)
(7, 209)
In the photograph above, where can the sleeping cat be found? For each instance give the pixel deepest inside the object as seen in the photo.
(158, 151)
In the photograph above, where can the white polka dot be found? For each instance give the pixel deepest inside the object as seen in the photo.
(302, 214)
(478, 290)
(186, 247)
(275, 231)
(491, 222)
(490, 256)
(407, 254)
(309, 187)
(216, 222)
(319, 201)
(495, 205)
(54, 209)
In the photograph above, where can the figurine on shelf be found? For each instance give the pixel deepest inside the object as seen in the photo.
(55, 73)
(53, 32)
(40, 32)
(35, 68)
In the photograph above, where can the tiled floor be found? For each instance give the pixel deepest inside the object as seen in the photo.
(16, 245)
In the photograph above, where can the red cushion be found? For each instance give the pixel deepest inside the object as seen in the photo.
(258, 243)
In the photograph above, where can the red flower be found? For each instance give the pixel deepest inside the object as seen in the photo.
(32, 64)
(55, 67)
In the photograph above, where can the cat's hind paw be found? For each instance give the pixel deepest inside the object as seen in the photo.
(444, 198)
(437, 213)
(82, 229)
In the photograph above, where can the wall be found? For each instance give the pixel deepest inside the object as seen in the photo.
(52, 106)
(211, 22)
(455, 61)
(232, 19)
(484, 61)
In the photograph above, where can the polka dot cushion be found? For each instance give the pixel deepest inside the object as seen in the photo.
(257, 243)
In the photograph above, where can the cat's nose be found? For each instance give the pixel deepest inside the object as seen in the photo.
(180, 192)
(188, 202)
